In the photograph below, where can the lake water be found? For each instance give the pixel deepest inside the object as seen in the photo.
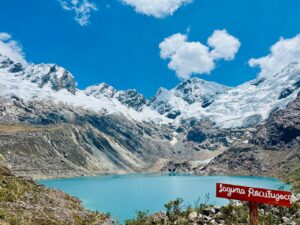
(123, 195)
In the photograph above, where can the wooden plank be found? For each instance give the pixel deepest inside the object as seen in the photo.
(252, 194)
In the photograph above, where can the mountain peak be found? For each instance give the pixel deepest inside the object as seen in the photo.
(176, 101)
(198, 90)
(132, 99)
(52, 75)
(8, 65)
(102, 89)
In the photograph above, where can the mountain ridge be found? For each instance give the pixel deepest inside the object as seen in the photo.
(241, 106)
(102, 130)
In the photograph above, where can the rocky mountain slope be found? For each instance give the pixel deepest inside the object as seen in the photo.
(273, 150)
(242, 106)
(49, 127)
(25, 202)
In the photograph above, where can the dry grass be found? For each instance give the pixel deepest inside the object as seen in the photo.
(16, 128)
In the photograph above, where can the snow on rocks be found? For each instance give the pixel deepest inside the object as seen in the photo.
(226, 107)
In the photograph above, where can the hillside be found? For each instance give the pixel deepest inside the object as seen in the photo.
(273, 150)
(22, 201)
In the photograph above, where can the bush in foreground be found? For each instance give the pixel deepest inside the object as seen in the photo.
(231, 214)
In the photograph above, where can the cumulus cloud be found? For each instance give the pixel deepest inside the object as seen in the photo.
(81, 8)
(225, 46)
(156, 8)
(282, 53)
(170, 45)
(188, 58)
(11, 49)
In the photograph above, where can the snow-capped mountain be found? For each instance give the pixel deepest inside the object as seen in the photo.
(244, 105)
(51, 83)
(252, 102)
(104, 130)
(101, 90)
(51, 75)
(241, 106)
(178, 101)
(130, 98)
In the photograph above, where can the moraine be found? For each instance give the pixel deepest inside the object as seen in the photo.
(123, 195)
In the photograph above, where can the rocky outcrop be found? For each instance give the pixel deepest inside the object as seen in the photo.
(282, 128)
(177, 167)
(188, 92)
(205, 135)
(242, 159)
(6, 64)
(99, 90)
(132, 99)
(50, 75)
(197, 90)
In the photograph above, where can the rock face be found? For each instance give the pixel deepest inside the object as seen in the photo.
(6, 64)
(66, 131)
(177, 167)
(281, 128)
(273, 149)
(87, 146)
(102, 89)
(243, 159)
(197, 90)
(129, 98)
(57, 78)
(171, 103)
(132, 99)
(52, 75)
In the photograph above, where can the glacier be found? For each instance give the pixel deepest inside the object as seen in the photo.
(227, 107)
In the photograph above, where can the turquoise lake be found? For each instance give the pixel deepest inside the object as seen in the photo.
(123, 195)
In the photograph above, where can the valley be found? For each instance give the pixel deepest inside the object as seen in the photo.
(51, 129)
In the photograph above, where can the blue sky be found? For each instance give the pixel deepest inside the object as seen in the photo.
(121, 46)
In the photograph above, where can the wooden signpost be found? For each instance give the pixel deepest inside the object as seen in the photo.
(254, 196)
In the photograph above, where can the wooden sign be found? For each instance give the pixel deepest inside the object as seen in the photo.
(254, 196)
(251, 194)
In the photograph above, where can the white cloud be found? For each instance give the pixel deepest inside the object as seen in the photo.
(11, 49)
(188, 58)
(82, 9)
(4, 36)
(171, 44)
(225, 46)
(282, 53)
(156, 8)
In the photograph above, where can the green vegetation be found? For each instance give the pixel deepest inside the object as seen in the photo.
(293, 175)
(23, 202)
(233, 213)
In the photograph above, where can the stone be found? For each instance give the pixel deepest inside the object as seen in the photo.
(285, 219)
(193, 216)
(209, 211)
